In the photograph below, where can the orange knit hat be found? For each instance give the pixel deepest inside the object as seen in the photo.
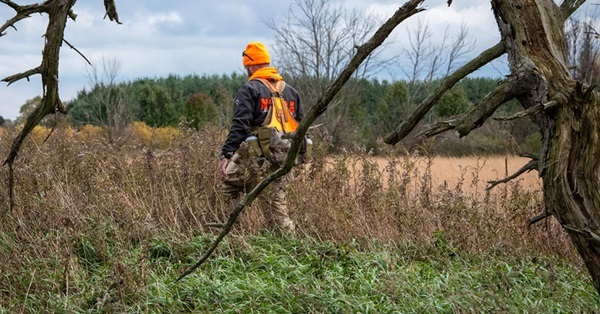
(255, 53)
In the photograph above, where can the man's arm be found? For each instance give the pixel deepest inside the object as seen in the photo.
(240, 124)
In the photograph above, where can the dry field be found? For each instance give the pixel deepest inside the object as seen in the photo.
(471, 174)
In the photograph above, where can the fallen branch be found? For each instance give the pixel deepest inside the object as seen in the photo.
(408, 9)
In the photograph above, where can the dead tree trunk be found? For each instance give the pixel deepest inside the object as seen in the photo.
(569, 164)
(58, 11)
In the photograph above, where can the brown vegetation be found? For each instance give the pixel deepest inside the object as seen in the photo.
(74, 189)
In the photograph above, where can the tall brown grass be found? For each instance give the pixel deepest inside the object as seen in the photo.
(79, 195)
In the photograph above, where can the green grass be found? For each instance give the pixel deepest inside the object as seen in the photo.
(104, 227)
(267, 274)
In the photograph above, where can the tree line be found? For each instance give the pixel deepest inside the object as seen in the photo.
(371, 108)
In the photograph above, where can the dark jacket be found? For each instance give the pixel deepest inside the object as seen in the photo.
(250, 110)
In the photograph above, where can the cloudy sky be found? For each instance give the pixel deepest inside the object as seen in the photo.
(182, 37)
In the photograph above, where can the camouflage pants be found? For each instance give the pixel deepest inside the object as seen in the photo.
(243, 176)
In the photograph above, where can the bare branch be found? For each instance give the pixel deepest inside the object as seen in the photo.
(530, 111)
(476, 117)
(22, 12)
(79, 52)
(11, 4)
(50, 103)
(408, 125)
(531, 165)
(13, 78)
(568, 7)
(407, 10)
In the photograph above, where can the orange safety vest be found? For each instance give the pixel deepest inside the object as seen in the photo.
(279, 115)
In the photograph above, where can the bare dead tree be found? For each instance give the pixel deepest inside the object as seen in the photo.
(565, 109)
(314, 41)
(419, 53)
(583, 46)
(425, 59)
(57, 11)
(107, 102)
(459, 47)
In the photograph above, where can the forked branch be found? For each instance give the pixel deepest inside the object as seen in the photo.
(568, 7)
(22, 12)
(409, 124)
(477, 116)
(408, 9)
(58, 11)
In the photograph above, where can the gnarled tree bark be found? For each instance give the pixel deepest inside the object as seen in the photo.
(532, 32)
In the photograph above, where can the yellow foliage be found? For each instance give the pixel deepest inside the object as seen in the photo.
(68, 131)
(161, 137)
(164, 136)
(90, 132)
(40, 133)
(141, 131)
(2, 133)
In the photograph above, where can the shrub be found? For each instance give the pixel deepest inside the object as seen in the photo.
(90, 132)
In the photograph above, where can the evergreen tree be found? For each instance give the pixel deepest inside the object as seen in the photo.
(200, 110)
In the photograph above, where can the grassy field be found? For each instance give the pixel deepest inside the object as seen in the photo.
(103, 227)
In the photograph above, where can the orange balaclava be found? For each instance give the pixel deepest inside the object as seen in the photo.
(255, 53)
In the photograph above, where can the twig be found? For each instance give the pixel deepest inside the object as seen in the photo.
(47, 137)
(79, 52)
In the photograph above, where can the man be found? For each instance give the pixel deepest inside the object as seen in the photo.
(238, 168)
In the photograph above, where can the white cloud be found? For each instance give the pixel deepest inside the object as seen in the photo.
(169, 18)
(182, 37)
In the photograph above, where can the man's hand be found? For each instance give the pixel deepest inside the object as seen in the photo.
(223, 168)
